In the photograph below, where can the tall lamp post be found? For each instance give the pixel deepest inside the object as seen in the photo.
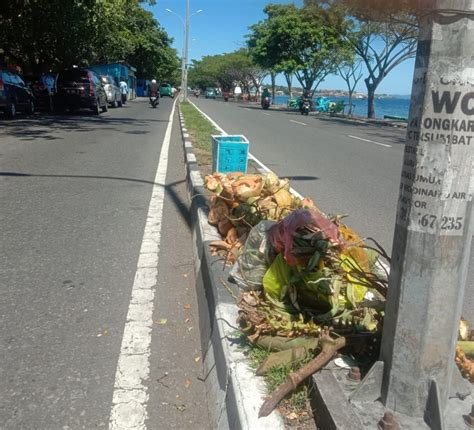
(184, 55)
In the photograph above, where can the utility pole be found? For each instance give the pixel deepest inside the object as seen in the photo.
(433, 229)
(186, 47)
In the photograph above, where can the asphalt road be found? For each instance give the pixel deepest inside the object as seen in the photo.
(345, 168)
(75, 192)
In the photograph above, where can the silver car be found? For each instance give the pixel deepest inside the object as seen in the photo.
(112, 90)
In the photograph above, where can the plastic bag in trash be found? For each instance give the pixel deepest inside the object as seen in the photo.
(255, 258)
(281, 235)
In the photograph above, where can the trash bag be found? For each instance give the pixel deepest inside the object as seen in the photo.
(255, 258)
(282, 234)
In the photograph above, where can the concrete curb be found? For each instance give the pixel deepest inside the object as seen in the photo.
(234, 393)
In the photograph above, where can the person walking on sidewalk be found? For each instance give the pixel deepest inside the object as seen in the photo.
(123, 90)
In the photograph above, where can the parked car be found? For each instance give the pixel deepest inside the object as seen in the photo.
(79, 89)
(210, 93)
(15, 95)
(43, 88)
(112, 91)
(166, 90)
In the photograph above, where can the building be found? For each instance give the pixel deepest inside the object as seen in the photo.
(118, 71)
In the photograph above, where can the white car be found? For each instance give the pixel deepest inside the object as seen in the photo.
(112, 90)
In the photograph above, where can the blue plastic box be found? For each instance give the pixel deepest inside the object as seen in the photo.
(229, 154)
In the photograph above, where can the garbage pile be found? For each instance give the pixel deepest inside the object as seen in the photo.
(238, 202)
(302, 273)
(294, 263)
(310, 285)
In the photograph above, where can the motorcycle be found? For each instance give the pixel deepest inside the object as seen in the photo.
(196, 93)
(124, 98)
(265, 103)
(154, 101)
(305, 107)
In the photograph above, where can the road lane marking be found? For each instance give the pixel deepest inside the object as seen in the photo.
(297, 122)
(130, 397)
(251, 156)
(370, 141)
(217, 126)
(266, 113)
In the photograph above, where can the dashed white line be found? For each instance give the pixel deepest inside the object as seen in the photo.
(251, 156)
(217, 126)
(370, 141)
(130, 397)
(297, 122)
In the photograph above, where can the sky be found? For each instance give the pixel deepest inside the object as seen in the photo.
(222, 26)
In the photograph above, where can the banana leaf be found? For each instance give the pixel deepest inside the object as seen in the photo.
(276, 280)
(355, 289)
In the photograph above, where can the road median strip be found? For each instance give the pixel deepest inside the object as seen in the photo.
(234, 393)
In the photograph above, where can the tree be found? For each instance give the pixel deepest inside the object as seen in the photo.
(398, 43)
(351, 72)
(308, 42)
(384, 35)
(227, 70)
(42, 35)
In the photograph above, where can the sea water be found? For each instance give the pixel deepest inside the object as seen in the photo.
(393, 106)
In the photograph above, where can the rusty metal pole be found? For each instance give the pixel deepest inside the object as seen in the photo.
(433, 226)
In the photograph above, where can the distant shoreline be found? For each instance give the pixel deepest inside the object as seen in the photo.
(340, 93)
(393, 106)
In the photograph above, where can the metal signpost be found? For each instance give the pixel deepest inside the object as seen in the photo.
(433, 227)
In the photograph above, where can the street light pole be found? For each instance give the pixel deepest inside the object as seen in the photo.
(185, 75)
(184, 56)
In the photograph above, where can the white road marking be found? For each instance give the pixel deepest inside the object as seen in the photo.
(129, 402)
(265, 113)
(370, 141)
(217, 126)
(251, 156)
(297, 122)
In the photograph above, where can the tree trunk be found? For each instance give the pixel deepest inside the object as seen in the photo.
(289, 82)
(370, 99)
(272, 76)
(349, 113)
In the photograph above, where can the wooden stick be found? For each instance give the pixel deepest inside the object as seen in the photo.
(329, 350)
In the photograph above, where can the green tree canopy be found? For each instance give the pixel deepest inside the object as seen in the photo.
(309, 42)
(226, 71)
(383, 35)
(39, 35)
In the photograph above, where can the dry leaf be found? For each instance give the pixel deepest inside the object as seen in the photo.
(188, 383)
(162, 321)
(187, 306)
(187, 320)
(292, 416)
(185, 275)
(197, 359)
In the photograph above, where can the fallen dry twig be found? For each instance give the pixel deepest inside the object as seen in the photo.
(329, 349)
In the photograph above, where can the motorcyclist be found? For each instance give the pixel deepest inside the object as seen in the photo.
(265, 93)
(153, 90)
(305, 98)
